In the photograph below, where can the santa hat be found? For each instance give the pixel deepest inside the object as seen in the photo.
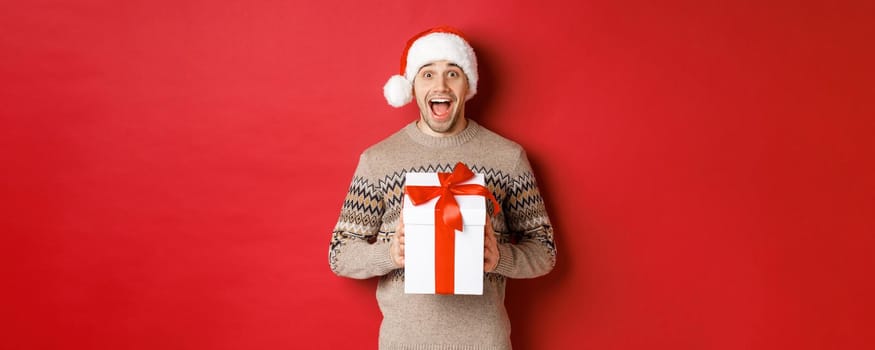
(436, 44)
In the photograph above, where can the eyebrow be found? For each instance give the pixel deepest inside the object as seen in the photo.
(432, 64)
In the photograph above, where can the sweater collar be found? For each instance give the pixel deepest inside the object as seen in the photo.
(439, 142)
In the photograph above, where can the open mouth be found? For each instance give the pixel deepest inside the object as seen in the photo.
(440, 106)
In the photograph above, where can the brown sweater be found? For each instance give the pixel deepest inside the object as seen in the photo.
(360, 243)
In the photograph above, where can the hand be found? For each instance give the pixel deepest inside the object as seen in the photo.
(396, 249)
(490, 248)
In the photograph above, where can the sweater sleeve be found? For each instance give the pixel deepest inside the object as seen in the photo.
(534, 253)
(354, 250)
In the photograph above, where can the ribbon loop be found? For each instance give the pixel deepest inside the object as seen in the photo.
(450, 186)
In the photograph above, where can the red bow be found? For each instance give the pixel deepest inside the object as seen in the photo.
(448, 218)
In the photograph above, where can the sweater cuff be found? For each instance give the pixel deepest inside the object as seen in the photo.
(381, 260)
(505, 259)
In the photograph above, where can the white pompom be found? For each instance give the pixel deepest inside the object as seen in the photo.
(398, 91)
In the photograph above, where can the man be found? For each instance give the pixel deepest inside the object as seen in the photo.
(439, 71)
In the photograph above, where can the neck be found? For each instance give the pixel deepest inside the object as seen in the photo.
(457, 128)
(444, 140)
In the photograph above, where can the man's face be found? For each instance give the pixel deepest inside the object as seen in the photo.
(440, 89)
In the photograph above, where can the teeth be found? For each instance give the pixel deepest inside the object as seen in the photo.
(440, 100)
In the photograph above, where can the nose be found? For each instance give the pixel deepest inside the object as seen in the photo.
(441, 82)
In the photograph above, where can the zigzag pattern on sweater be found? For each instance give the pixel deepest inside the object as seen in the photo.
(370, 211)
(526, 205)
(362, 210)
(392, 185)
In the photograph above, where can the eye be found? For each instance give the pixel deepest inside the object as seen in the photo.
(453, 74)
(426, 75)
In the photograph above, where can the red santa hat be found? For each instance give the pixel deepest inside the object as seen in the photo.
(435, 44)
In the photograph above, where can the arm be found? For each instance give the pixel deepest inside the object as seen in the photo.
(354, 250)
(354, 257)
(534, 253)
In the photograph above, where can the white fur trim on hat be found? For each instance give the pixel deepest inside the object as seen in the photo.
(435, 46)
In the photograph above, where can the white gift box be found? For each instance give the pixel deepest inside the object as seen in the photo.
(419, 240)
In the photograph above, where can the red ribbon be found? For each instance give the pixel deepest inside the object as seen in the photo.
(448, 219)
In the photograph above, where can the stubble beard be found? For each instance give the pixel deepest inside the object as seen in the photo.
(440, 127)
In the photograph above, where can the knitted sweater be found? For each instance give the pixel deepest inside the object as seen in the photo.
(359, 246)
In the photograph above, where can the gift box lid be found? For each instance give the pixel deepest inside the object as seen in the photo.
(473, 207)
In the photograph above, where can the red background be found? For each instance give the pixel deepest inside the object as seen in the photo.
(172, 170)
